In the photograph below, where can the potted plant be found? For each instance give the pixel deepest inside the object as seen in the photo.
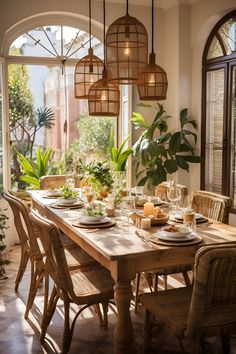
(160, 152)
(100, 177)
(3, 254)
(119, 156)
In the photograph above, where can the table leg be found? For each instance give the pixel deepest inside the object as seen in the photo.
(123, 331)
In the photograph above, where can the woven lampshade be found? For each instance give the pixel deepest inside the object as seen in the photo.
(104, 98)
(126, 49)
(87, 71)
(152, 82)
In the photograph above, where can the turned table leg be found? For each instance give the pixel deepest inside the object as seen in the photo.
(123, 331)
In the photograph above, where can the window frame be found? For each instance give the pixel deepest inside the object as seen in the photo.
(10, 59)
(226, 62)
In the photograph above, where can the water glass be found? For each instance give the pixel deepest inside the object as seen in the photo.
(189, 219)
(70, 182)
(128, 206)
(174, 196)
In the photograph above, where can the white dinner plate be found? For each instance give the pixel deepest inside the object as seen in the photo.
(180, 214)
(85, 221)
(180, 231)
(164, 237)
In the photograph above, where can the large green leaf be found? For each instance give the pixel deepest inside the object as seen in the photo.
(193, 159)
(138, 120)
(171, 166)
(182, 163)
(31, 180)
(163, 138)
(184, 148)
(183, 117)
(174, 144)
(188, 132)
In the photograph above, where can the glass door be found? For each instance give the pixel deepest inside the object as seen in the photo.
(214, 130)
(233, 138)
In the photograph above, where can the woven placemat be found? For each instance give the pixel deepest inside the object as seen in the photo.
(158, 241)
(60, 206)
(94, 226)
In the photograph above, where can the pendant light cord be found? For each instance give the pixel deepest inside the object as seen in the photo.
(90, 19)
(152, 25)
(127, 7)
(104, 35)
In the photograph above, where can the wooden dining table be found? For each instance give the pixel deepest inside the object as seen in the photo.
(120, 250)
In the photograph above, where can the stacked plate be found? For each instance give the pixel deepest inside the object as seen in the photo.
(91, 222)
(177, 235)
(178, 215)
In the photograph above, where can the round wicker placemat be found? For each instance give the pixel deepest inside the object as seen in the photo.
(197, 239)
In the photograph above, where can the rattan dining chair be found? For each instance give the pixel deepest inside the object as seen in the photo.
(162, 188)
(212, 205)
(23, 238)
(84, 287)
(56, 181)
(32, 249)
(206, 309)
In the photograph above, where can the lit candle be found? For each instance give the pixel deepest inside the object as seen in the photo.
(148, 209)
(145, 223)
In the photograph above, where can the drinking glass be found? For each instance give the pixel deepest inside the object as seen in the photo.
(89, 194)
(174, 196)
(70, 182)
(128, 206)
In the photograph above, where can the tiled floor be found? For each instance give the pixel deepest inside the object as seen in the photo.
(18, 336)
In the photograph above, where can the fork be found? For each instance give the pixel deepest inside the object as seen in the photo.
(141, 234)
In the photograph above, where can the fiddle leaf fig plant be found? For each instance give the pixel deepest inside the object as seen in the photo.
(160, 152)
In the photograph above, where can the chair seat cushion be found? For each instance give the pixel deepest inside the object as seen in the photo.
(170, 307)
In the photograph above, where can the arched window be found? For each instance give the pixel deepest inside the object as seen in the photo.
(41, 65)
(218, 172)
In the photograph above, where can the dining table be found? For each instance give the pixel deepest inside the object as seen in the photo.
(124, 253)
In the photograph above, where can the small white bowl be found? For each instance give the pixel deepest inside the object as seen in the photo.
(181, 231)
(68, 201)
(53, 193)
(93, 218)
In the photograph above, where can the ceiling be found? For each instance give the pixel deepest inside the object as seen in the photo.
(165, 4)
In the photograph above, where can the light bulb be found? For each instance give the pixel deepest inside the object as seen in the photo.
(151, 78)
(127, 49)
(103, 95)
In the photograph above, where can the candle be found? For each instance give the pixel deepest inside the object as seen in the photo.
(148, 209)
(145, 223)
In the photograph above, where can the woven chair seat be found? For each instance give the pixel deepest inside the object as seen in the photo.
(206, 309)
(171, 307)
(92, 285)
(76, 257)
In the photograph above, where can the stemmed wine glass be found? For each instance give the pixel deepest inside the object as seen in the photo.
(128, 206)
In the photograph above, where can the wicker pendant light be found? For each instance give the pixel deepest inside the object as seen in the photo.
(88, 70)
(104, 95)
(152, 81)
(126, 48)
